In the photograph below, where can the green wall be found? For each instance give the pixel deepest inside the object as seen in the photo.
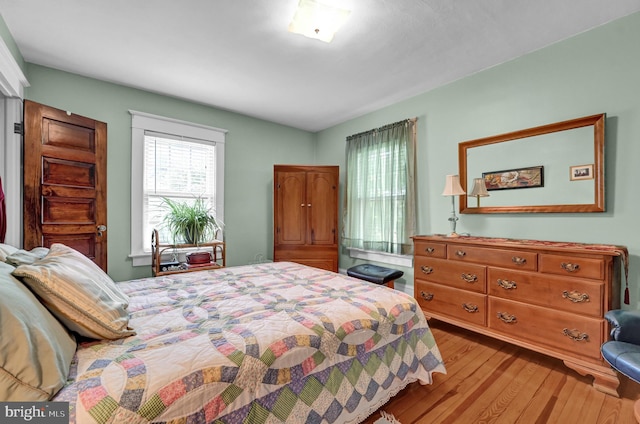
(591, 73)
(252, 148)
(594, 72)
(11, 44)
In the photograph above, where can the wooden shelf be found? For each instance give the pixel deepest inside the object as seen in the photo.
(217, 249)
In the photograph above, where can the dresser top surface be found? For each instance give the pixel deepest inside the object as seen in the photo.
(604, 249)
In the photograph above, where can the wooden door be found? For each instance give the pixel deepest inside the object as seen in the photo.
(65, 181)
(291, 208)
(322, 202)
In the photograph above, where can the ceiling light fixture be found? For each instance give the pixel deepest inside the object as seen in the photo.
(318, 20)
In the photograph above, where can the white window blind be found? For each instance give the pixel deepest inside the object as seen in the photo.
(381, 190)
(178, 168)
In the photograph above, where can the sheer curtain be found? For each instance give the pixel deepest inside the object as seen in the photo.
(379, 203)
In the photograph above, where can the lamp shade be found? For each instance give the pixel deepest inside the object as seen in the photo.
(452, 186)
(479, 188)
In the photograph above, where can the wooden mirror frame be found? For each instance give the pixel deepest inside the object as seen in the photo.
(598, 171)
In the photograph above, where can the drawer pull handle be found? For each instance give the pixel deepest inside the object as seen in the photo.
(508, 318)
(469, 278)
(518, 260)
(426, 269)
(575, 335)
(470, 307)
(569, 267)
(461, 253)
(429, 250)
(506, 284)
(426, 296)
(575, 297)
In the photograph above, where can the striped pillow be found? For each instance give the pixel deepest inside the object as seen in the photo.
(78, 293)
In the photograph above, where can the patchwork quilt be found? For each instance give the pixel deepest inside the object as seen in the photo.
(267, 343)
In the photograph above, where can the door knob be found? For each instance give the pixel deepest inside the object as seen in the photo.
(101, 229)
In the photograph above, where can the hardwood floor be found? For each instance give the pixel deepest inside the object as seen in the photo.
(490, 381)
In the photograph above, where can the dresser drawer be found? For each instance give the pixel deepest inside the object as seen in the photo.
(561, 293)
(577, 335)
(527, 261)
(430, 249)
(573, 266)
(452, 274)
(459, 304)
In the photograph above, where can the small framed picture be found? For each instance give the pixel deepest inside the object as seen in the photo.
(581, 172)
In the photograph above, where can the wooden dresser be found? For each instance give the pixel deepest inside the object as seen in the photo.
(546, 296)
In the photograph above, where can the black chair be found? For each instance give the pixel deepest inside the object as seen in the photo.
(375, 274)
(622, 352)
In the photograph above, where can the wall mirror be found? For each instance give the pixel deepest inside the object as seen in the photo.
(551, 168)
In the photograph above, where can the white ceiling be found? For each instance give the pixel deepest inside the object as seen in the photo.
(237, 55)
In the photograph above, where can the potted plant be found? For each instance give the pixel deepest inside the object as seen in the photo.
(191, 222)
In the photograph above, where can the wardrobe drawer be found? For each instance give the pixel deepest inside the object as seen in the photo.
(577, 335)
(452, 274)
(527, 261)
(573, 266)
(459, 304)
(561, 293)
(430, 249)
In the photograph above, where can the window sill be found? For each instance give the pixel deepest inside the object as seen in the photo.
(141, 259)
(386, 258)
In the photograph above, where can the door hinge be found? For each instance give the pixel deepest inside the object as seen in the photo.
(18, 128)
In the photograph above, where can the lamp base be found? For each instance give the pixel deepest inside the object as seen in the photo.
(454, 234)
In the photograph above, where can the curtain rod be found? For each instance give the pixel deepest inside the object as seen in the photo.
(383, 127)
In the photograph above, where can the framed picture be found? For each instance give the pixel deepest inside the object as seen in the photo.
(514, 178)
(581, 172)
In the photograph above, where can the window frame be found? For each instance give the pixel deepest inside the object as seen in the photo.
(141, 122)
(12, 85)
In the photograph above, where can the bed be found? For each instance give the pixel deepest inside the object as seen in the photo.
(265, 343)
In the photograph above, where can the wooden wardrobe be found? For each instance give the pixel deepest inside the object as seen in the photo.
(305, 216)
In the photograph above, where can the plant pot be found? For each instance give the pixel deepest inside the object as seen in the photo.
(197, 258)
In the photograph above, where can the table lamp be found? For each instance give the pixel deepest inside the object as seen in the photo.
(452, 188)
(479, 189)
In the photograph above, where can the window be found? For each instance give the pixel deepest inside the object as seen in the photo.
(173, 159)
(380, 190)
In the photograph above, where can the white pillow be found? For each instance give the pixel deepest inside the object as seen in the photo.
(22, 257)
(35, 349)
(6, 250)
(79, 293)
